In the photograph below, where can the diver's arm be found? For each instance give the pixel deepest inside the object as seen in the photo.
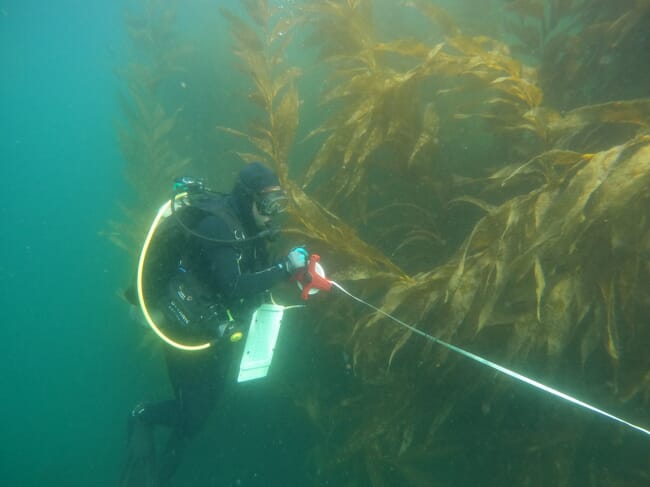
(223, 262)
(250, 284)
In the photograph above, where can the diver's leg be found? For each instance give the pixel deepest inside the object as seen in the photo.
(198, 379)
(141, 468)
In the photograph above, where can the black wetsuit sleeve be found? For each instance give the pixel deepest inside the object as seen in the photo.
(222, 265)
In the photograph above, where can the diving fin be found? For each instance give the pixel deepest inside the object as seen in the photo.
(140, 469)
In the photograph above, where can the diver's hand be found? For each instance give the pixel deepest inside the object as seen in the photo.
(296, 259)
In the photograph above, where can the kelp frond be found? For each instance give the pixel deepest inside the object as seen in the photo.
(509, 176)
(272, 136)
(261, 53)
(377, 105)
(146, 134)
(154, 39)
(531, 265)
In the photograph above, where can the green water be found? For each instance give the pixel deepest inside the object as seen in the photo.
(73, 363)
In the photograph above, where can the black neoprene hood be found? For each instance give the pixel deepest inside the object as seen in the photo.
(252, 179)
(256, 176)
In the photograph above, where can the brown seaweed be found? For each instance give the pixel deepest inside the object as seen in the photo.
(545, 270)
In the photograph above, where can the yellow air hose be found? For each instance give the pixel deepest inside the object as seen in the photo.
(163, 212)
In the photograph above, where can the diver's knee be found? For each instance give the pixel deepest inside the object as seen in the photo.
(138, 417)
(138, 412)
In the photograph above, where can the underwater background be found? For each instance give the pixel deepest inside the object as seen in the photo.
(480, 168)
(63, 356)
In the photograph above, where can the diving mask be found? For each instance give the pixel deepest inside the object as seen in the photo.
(272, 202)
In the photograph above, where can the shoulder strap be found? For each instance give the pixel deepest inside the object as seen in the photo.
(216, 204)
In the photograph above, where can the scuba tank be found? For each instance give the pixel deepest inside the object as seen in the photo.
(190, 203)
(160, 258)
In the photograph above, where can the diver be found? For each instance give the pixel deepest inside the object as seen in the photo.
(220, 273)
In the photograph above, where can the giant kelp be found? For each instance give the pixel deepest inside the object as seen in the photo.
(262, 57)
(582, 47)
(261, 53)
(386, 113)
(377, 106)
(545, 272)
(145, 134)
(502, 275)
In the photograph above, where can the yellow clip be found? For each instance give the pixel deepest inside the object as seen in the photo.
(235, 337)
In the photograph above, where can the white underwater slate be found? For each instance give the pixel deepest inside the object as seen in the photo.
(260, 342)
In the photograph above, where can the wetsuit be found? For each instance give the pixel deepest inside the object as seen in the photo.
(234, 277)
